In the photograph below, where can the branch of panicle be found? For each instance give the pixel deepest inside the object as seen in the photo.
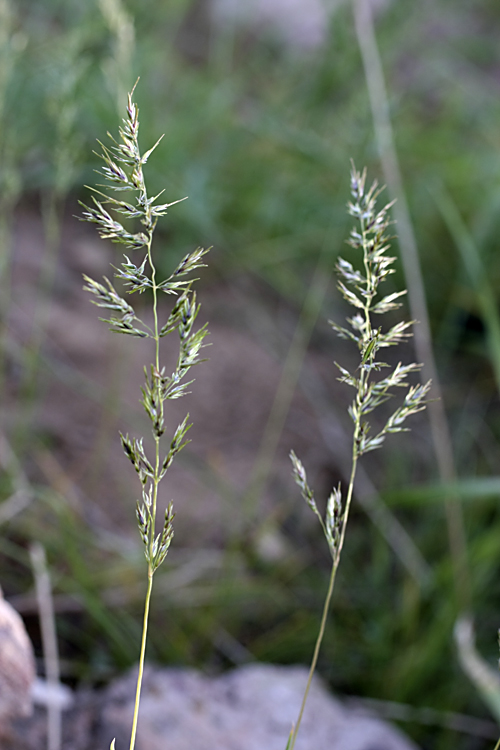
(122, 171)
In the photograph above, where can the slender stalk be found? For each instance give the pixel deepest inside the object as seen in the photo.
(155, 301)
(348, 501)
(326, 608)
(141, 659)
(319, 639)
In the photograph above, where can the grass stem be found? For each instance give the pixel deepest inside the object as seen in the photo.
(141, 659)
(314, 661)
(326, 606)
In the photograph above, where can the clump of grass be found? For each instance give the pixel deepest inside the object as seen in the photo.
(123, 172)
(360, 288)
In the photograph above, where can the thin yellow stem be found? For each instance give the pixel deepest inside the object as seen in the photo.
(141, 659)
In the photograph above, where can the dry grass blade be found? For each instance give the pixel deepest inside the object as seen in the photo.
(409, 254)
(49, 641)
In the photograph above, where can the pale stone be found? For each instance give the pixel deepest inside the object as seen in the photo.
(17, 666)
(250, 708)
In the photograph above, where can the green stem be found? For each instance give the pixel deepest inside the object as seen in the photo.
(328, 598)
(141, 659)
(158, 387)
(349, 496)
(155, 306)
(317, 647)
(152, 569)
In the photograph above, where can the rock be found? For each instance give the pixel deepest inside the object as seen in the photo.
(17, 667)
(250, 708)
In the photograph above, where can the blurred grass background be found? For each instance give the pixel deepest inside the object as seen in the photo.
(260, 125)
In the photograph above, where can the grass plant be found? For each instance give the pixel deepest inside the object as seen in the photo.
(123, 173)
(360, 288)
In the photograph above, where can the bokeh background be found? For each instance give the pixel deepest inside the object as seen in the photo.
(263, 105)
